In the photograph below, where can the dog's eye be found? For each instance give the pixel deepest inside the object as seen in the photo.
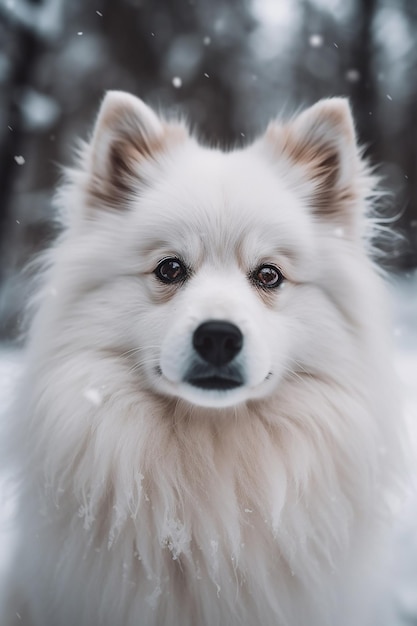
(268, 276)
(171, 271)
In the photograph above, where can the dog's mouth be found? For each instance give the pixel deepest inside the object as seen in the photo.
(212, 378)
(217, 383)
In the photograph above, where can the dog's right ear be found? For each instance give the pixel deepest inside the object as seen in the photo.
(126, 136)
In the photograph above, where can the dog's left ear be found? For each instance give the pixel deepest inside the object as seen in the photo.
(321, 143)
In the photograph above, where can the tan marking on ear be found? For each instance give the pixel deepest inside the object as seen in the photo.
(320, 161)
(126, 155)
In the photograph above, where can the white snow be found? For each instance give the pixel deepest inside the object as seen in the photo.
(402, 577)
(20, 160)
(153, 598)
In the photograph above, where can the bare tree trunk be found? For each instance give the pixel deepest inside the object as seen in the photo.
(363, 89)
(24, 49)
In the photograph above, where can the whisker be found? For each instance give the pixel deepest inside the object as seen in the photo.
(137, 366)
(136, 350)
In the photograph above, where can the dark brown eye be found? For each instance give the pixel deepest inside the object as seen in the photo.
(268, 276)
(171, 271)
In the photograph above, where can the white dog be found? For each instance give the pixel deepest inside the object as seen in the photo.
(206, 427)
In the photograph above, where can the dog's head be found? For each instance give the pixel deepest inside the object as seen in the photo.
(223, 269)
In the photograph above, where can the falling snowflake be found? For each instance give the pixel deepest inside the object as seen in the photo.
(177, 82)
(19, 159)
(207, 41)
(93, 395)
(353, 75)
(316, 41)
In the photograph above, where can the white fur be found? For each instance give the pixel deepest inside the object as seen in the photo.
(147, 502)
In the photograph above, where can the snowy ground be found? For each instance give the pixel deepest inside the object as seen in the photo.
(9, 371)
(404, 571)
(402, 577)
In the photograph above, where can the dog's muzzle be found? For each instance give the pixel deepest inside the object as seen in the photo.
(216, 344)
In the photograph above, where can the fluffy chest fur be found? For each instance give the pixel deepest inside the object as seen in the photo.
(231, 518)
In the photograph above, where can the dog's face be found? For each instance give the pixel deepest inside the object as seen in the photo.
(217, 258)
(228, 288)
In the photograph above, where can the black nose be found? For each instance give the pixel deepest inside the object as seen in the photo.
(217, 342)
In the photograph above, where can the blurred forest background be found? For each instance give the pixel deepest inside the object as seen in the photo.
(229, 65)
